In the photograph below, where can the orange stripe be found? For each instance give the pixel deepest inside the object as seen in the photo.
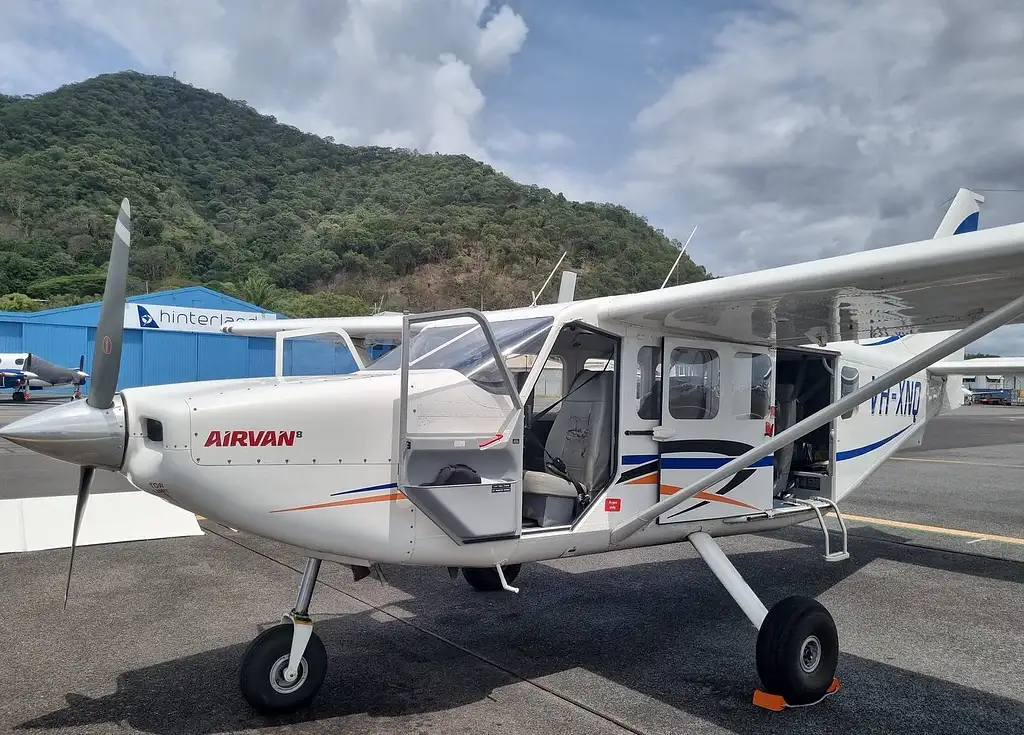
(350, 501)
(705, 495)
(651, 479)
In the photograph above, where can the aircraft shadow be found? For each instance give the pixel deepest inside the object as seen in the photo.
(665, 630)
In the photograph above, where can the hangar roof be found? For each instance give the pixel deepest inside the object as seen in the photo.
(198, 297)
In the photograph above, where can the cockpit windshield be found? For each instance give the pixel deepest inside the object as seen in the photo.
(463, 347)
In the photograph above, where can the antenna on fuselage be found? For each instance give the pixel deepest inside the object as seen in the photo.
(550, 276)
(678, 257)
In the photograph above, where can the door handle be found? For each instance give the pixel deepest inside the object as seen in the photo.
(663, 433)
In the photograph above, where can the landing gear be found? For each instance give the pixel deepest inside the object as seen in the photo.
(19, 395)
(797, 650)
(285, 666)
(487, 580)
(797, 643)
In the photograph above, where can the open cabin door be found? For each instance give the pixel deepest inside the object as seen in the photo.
(474, 420)
(715, 405)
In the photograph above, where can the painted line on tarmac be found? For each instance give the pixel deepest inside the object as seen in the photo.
(936, 529)
(960, 461)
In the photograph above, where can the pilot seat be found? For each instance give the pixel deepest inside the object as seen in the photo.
(581, 436)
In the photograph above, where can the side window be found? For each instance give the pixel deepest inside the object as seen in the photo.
(850, 381)
(648, 383)
(20, 361)
(694, 380)
(549, 385)
(751, 389)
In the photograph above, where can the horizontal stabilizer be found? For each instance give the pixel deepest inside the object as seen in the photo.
(32, 524)
(980, 366)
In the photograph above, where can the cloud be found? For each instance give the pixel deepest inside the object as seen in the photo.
(25, 65)
(407, 73)
(512, 140)
(1005, 342)
(814, 129)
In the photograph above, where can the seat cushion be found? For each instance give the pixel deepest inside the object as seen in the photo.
(543, 483)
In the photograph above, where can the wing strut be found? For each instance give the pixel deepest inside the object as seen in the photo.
(903, 371)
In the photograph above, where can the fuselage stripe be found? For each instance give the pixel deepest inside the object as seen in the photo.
(385, 486)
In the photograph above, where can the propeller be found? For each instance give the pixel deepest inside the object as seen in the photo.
(106, 360)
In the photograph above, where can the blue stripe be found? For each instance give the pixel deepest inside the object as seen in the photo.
(690, 463)
(638, 458)
(707, 463)
(970, 224)
(887, 340)
(859, 451)
(386, 486)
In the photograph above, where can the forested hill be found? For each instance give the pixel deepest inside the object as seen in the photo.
(224, 196)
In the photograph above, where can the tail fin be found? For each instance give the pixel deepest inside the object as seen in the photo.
(962, 215)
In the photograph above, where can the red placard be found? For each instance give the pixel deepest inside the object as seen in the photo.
(613, 505)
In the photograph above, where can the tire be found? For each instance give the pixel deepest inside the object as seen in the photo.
(18, 397)
(263, 660)
(797, 650)
(486, 579)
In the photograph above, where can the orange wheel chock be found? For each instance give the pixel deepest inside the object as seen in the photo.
(776, 703)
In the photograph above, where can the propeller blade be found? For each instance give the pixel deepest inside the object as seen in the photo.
(106, 361)
(81, 364)
(84, 481)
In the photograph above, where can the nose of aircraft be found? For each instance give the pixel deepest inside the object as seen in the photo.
(74, 432)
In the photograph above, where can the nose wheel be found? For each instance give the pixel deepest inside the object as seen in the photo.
(284, 667)
(268, 685)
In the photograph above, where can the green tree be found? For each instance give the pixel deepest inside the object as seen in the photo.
(259, 290)
(17, 302)
(218, 190)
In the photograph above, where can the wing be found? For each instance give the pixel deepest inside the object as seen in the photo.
(378, 326)
(358, 327)
(980, 366)
(931, 285)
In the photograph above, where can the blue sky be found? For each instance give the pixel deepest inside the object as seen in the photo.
(785, 130)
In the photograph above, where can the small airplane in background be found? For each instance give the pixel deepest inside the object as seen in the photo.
(24, 372)
(740, 405)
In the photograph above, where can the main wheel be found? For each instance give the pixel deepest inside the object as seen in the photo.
(18, 397)
(262, 679)
(486, 579)
(797, 650)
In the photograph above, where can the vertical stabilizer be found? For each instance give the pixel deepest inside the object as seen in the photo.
(962, 215)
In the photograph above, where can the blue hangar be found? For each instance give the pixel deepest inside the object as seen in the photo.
(170, 337)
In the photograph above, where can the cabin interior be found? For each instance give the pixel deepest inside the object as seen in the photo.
(576, 423)
(570, 443)
(804, 383)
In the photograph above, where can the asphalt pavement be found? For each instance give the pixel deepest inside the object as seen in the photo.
(642, 641)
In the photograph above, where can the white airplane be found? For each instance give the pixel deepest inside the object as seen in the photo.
(24, 371)
(432, 455)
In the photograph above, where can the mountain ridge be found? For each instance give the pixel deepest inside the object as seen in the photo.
(227, 197)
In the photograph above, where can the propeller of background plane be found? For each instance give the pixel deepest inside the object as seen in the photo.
(80, 374)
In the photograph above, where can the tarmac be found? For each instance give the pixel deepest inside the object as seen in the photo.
(928, 608)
